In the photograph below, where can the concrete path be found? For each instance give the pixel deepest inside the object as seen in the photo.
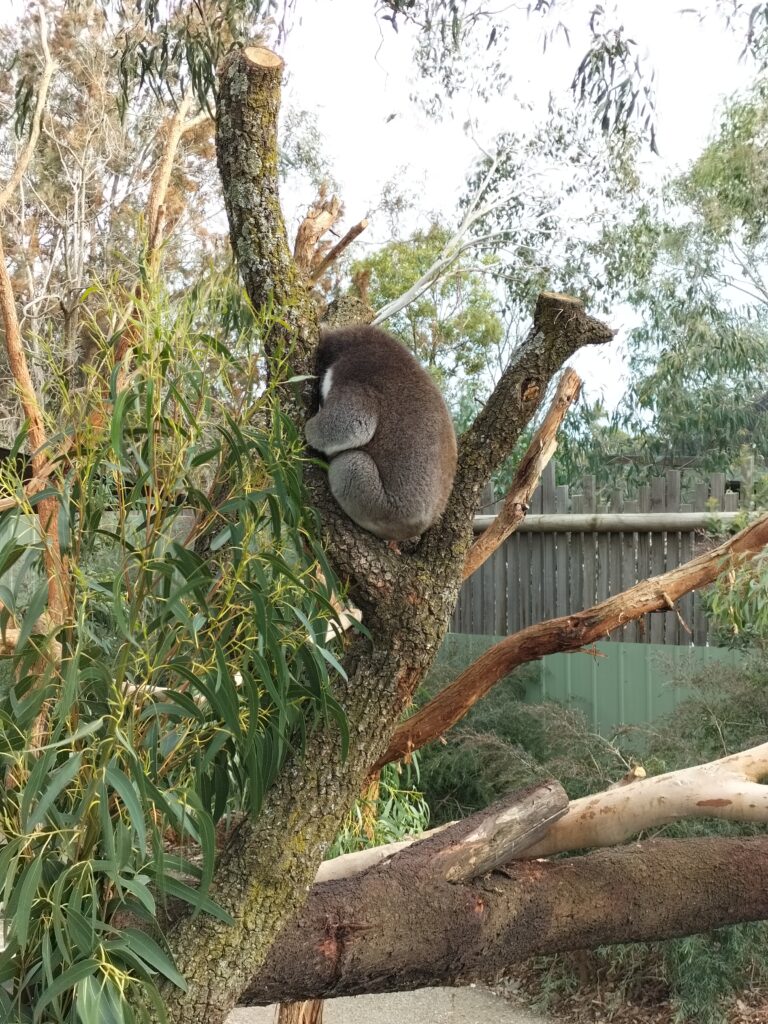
(425, 1006)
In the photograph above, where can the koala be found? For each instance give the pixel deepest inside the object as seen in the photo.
(386, 432)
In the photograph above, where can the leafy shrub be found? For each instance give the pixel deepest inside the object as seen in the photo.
(395, 809)
(193, 663)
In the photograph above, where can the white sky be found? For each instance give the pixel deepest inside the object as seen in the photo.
(354, 72)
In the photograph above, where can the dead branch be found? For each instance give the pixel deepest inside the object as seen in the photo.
(318, 269)
(568, 633)
(474, 846)
(541, 449)
(320, 217)
(728, 789)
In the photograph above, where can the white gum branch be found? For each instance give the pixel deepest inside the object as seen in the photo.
(728, 789)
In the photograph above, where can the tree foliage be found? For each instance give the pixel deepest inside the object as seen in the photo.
(452, 328)
(692, 263)
(195, 659)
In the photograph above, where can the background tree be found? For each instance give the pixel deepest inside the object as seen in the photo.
(452, 328)
(692, 263)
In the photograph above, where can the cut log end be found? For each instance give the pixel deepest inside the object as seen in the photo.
(558, 299)
(262, 57)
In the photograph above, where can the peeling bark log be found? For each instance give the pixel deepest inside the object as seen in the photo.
(728, 789)
(397, 927)
(568, 633)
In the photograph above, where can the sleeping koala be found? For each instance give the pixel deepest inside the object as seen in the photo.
(386, 432)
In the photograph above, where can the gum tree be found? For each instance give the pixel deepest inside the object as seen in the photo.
(171, 788)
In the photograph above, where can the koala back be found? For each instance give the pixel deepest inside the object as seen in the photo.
(414, 443)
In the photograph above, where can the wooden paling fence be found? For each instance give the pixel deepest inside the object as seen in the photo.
(572, 551)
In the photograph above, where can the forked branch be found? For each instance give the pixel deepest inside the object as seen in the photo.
(560, 327)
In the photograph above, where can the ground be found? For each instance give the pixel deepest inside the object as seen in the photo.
(426, 1006)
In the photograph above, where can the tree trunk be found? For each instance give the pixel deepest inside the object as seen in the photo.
(267, 868)
(309, 1012)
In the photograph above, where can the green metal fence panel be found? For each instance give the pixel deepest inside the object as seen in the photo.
(626, 684)
(613, 684)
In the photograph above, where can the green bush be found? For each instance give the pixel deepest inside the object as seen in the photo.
(193, 663)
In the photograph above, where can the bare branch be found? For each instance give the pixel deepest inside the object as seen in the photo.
(728, 789)
(560, 327)
(330, 258)
(568, 633)
(541, 449)
(452, 250)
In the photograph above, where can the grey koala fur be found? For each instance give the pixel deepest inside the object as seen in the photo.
(385, 430)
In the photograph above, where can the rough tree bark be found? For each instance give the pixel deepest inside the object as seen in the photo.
(355, 951)
(403, 926)
(268, 865)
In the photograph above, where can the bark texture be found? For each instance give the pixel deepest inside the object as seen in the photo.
(268, 866)
(402, 926)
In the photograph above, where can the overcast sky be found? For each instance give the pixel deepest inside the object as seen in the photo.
(354, 72)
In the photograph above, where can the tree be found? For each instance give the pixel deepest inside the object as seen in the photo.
(452, 327)
(692, 262)
(125, 755)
